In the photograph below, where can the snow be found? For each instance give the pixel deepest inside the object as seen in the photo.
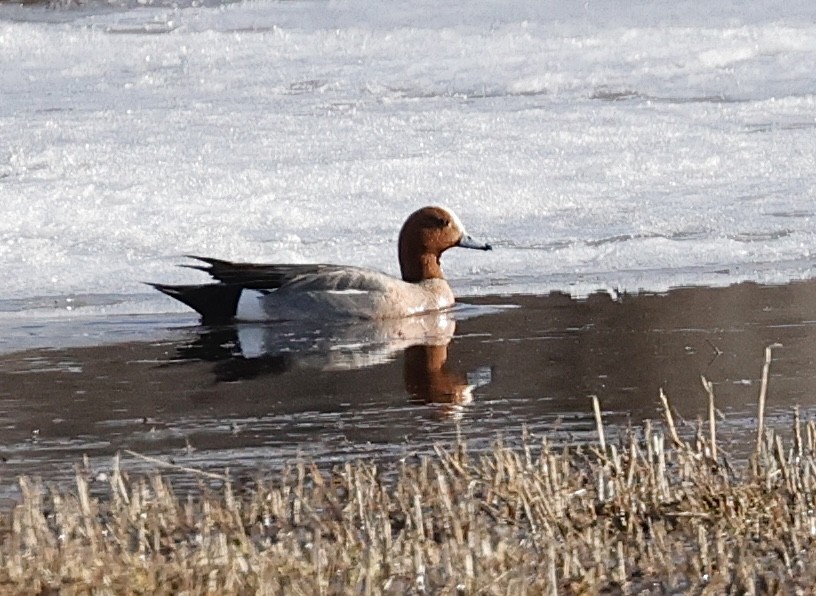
(597, 145)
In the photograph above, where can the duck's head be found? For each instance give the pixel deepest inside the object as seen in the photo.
(425, 235)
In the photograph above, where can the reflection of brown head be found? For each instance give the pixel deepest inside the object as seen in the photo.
(427, 379)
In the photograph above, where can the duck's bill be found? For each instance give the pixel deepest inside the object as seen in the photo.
(467, 241)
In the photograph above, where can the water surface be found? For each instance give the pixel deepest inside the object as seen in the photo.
(252, 397)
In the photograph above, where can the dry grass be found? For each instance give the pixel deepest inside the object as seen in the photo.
(637, 515)
(534, 518)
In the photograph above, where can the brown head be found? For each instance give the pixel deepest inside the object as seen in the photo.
(424, 236)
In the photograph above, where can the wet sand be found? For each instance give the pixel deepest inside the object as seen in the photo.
(250, 397)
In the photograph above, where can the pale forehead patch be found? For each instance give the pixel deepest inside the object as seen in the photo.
(455, 219)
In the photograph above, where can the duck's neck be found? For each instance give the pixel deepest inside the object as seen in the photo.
(416, 269)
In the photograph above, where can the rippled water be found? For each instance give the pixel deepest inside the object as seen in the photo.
(254, 397)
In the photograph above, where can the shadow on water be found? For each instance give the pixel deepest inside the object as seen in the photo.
(252, 397)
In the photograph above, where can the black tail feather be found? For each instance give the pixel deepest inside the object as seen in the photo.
(216, 303)
(212, 265)
(254, 276)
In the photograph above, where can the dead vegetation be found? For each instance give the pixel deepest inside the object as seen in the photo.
(651, 513)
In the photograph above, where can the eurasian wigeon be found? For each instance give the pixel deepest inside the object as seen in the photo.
(249, 292)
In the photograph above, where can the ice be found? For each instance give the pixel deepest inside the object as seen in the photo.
(596, 145)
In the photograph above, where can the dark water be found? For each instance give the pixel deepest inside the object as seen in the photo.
(253, 397)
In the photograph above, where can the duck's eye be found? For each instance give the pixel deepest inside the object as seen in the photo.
(439, 222)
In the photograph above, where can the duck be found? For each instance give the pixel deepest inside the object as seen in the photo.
(249, 292)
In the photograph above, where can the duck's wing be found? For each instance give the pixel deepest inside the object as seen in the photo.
(255, 276)
(289, 277)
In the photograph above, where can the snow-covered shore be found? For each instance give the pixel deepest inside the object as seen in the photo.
(597, 144)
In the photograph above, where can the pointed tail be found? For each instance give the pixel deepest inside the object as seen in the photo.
(216, 303)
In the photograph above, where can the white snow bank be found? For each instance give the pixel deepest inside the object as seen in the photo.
(596, 144)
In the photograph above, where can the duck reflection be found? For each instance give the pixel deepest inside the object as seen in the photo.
(429, 380)
(248, 351)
